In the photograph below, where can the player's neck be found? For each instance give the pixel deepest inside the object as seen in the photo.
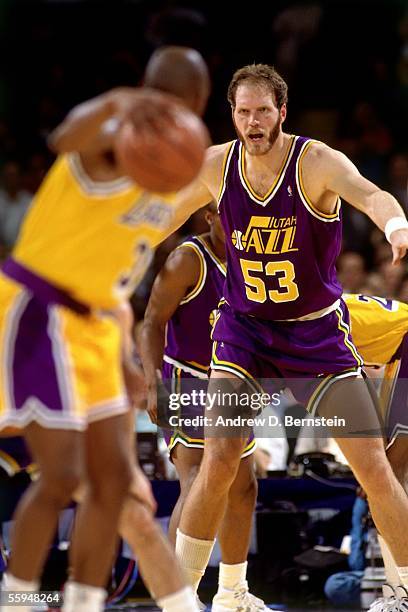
(216, 245)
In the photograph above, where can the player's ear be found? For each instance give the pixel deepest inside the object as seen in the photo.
(283, 112)
(209, 217)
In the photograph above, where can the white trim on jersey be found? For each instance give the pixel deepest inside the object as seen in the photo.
(307, 205)
(97, 188)
(222, 267)
(226, 166)
(198, 287)
(280, 177)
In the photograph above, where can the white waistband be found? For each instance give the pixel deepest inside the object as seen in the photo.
(317, 314)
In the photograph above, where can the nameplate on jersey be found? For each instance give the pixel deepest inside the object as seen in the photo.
(149, 210)
(267, 235)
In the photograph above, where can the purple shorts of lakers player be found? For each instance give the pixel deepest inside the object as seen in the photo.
(61, 362)
(308, 354)
(187, 419)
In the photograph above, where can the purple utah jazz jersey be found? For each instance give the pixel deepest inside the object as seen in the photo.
(188, 344)
(281, 251)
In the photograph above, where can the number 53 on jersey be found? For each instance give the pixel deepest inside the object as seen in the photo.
(256, 287)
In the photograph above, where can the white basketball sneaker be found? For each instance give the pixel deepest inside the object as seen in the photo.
(384, 603)
(238, 600)
(401, 602)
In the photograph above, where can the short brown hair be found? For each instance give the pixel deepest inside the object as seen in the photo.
(260, 74)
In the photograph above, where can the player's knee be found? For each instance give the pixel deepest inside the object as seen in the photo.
(59, 485)
(221, 467)
(245, 491)
(187, 482)
(113, 482)
(376, 477)
(137, 520)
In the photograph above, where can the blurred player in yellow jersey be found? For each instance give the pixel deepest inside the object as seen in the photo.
(86, 241)
(379, 327)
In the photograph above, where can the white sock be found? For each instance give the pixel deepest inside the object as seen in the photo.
(194, 556)
(231, 576)
(403, 576)
(11, 583)
(182, 601)
(83, 598)
(391, 572)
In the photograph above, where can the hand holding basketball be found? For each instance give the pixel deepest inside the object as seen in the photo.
(166, 152)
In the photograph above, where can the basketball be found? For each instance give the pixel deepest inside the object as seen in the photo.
(166, 161)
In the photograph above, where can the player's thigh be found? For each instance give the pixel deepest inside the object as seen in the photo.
(351, 405)
(57, 453)
(228, 409)
(187, 462)
(108, 450)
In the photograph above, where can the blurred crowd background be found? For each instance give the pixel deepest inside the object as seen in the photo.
(346, 63)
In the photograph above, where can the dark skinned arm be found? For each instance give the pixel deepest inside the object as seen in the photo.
(180, 272)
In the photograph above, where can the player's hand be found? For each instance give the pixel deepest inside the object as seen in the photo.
(152, 396)
(152, 402)
(135, 384)
(145, 108)
(157, 399)
(399, 244)
(141, 489)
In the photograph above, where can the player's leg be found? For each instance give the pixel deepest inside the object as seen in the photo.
(187, 463)
(57, 454)
(94, 344)
(393, 401)
(234, 537)
(207, 499)
(158, 564)
(108, 477)
(235, 529)
(351, 399)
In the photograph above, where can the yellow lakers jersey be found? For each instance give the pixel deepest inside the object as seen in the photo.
(377, 326)
(94, 240)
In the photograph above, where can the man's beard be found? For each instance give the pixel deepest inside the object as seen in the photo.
(253, 148)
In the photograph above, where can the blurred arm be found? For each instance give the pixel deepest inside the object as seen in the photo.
(203, 189)
(86, 128)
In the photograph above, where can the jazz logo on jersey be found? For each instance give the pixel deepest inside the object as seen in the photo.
(267, 235)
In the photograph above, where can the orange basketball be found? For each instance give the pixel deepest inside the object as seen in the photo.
(164, 161)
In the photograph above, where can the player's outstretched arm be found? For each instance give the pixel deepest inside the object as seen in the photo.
(336, 173)
(204, 189)
(180, 273)
(89, 127)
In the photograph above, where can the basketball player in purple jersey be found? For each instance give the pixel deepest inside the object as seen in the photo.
(176, 339)
(279, 203)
